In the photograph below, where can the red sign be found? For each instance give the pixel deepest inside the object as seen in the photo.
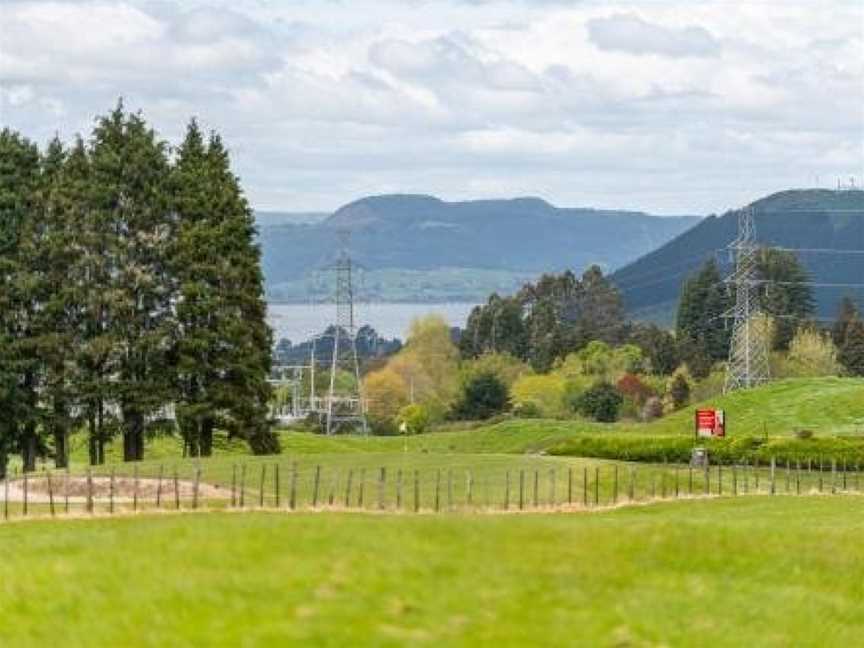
(710, 423)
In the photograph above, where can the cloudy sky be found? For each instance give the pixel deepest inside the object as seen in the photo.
(671, 107)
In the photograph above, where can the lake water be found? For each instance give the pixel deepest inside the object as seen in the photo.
(298, 322)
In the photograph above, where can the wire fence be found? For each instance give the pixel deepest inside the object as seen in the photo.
(292, 487)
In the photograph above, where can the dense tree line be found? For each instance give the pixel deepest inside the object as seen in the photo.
(130, 284)
(704, 324)
(558, 315)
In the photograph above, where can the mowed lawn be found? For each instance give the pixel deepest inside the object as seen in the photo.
(760, 571)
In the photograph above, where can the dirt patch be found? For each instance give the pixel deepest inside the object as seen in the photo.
(124, 489)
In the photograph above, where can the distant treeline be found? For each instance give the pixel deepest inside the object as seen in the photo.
(130, 293)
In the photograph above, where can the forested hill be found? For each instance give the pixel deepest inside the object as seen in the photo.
(476, 246)
(812, 221)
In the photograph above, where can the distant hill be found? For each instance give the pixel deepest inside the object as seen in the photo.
(422, 248)
(812, 219)
(271, 218)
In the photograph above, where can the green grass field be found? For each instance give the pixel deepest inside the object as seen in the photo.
(730, 572)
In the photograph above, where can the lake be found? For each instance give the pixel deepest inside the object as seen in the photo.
(299, 322)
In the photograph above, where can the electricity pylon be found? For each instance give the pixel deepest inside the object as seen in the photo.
(344, 406)
(748, 349)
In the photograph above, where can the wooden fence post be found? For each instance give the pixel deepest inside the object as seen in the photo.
(676, 480)
(362, 488)
(159, 487)
(292, 496)
(348, 485)
(820, 474)
(469, 488)
(416, 491)
(6, 495)
(773, 467)
(315, 486)
(233, 485)
(798, 477)
(570, 485)
(399, 490)
(196, 486)
(176, 489)
(50, 493)
(631, 493)
(242, 495)
(382, 478)
(552, 494)
(111, 491)
(719, 479)
(585, 486)
(66, 489)
(507, 491)
(521, 489)
(437, 490)
(89, 490)
(277, 495)
(690, 480)
(615, 483)
(261, 485)
(833, 476)
(26, 492)
(135, 488)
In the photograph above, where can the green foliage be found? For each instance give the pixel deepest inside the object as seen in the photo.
(852, 348)
(484, 395)
(678, 390)
(811, 354)
(728, 450)
(413, 419)
(785, 294)
(703, 303)
(507, 368)
(544, 392)
(602, 402)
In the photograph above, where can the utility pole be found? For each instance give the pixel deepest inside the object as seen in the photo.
(748, 349)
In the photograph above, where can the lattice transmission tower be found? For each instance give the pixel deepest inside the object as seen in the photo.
(344, 408)
(748, 350)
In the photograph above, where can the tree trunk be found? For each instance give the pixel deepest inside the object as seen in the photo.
(133, 436)
(29, 447)
(206, 441)
(61, 435)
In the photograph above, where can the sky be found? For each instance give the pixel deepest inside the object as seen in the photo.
(670, 107)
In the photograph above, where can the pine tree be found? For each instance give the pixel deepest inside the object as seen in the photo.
(223, 343)
(130, 176)
(701, 309)
(785, 294)
(19, 185)
(59, 319)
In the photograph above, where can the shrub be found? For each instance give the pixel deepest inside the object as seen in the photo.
(484, 395)
(678, 390)
(602, 403)
(546, 392)
(415, 419)
(653, 409)
(527, 410)
(631, 387)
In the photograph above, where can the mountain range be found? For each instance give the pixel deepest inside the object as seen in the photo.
(825, 228)
(421, 248)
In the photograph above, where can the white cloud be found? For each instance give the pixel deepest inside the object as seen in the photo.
(689, 106)
(632, 34)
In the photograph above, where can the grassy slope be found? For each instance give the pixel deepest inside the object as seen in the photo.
(777, 572)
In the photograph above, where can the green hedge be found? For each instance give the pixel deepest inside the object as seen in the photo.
(657, 449)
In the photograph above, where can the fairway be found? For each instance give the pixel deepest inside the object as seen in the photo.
(760, 571)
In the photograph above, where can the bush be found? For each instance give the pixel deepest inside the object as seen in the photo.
(545, 391)
(678, 390)
(527, 410)
(414, 417)
(631, 387)
(602, 403)
(653, 409)
(484, 395)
